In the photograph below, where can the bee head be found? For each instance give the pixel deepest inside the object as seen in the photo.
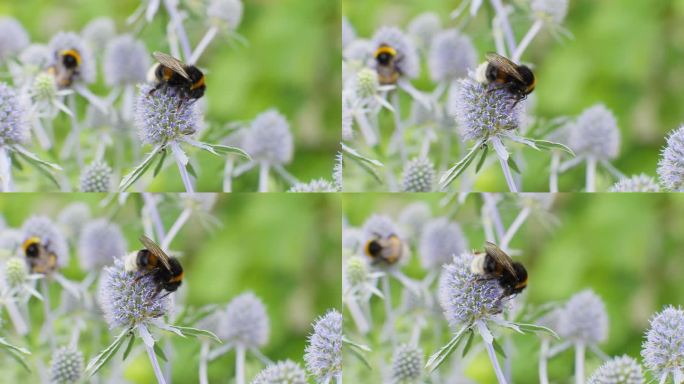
(528, 78)
(373, 248)
(520, 272)
(31, 247)
(70, 58)
(385, 54)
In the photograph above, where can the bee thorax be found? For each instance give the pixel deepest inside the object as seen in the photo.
(130, 263)
(477, 265)
(481, 73)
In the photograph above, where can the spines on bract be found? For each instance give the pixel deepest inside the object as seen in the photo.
(636, 183)
(314, 186)
(595, 134)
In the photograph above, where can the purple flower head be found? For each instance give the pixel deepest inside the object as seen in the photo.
(584, 319)
(13, 37)
(162, 116)
(245, 321)
(440, 241)
(663, 350)
(13, 124)
(66, 366)
(451, 56)
(100, 243)
(282, 372)
(269, 139)
(671, 164)
(618, 370)
(595, 133)
(323, 354)
(126, 61)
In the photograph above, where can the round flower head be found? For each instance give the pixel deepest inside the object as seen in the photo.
(282, 372)
(551, 319)
(366, 84)
(636, 183)
(225, 13)
(352, 239)
(595, 133)
(355, 271)
(269, 139)
(407, 364)
(451, 56)
(671, 164)
(15, 271)
(482, 112)
(13, 127)
(73, 217)
(245, 321)
(96, 177)
(99, 244)
(414, 217)
(318, 185)
(407, 64)
(663, 350)
(618, 370)
(66, 366)
(10, 241)
(584, 319)
(323, 354)
(440, 241)
(419, 175)
(379, 226)
(553, 11)
(64, 41)
(358, 51)
(50, 237)
(130, 298)
(98, 32)
(348, 33)
(126, 61)
(464, 297)
(13, 37)
(424, 27)
(164, 116)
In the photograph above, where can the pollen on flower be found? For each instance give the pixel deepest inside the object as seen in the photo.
(162, 115)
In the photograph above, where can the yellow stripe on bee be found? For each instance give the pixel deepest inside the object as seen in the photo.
(74, 53)
(198, 83)
(30, 241)
(385, 49)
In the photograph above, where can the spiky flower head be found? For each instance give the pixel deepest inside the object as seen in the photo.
(323, 354)
(358, 52)
(126, 61)
(595, 133)
(348, 32)
(407, 364)
(440, 241)
(671, 164)
(245, 321)
(269, 139)
(73, 217)
(379, 225)
(98, 32)
(466, 298)
(355, 271)
(584, 319)
(408, 64)
(366, 84)
(419, 175)
(282, 372)
(162, 116)
(225, 13)
(482, 112)
(423, 28)
(50, 237)
(663, 350)
(64, 41)
(618, 370)
(96, 177)
(413, 218)
(13, 127)
(318, 185)
(100, 243)
(13, 37)
(451, 56)
(44, 88)
(553, 11)
(37, 56)
(10, 241)
(636, 183)
(16, 271)
(66, 366)
(352, 239)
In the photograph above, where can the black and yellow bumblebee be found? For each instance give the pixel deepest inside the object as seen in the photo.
(496, 264)
(166, 270)
(67, 67)
(505, 74)
(385, 250)
(170, 72)
(39, 258)
(386, 59)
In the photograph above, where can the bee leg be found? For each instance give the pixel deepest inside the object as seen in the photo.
(166, 294)
(517, 100)
(144, 274)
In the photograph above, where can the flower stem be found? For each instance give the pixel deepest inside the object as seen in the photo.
(204, 352)
(553, 177)
(182, 161)
(398, 137)
(579, 363)
(534, 29)
(47, 330)
(263, 176)
(155, 364)
(15, 316)
(508, 31)
(365, 127)
(240, 364)
(203, 44)
(173, 231)
(507, 174)
(389, 312)
(357, 315)
(5, 171)
(495, 363)
(170, 6)
(543, 371)
(515, 226)
(151, 208)
(591, 174)
(228, 174)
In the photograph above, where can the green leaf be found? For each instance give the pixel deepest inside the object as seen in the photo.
(438, 358)
(129, 347)
(140, 170)
(455, 171)
(366, 167)
(160, 163)
(98, 361)
(355, 155)
(15, 353)
(195, 332)
(537, 329)
(360, 357)
(549, 145)
(498, 348)
(159, 352)
(513, 165)
(217, 149)
(469, 342)
(15, 162)
(191, 170)
(41, 166)
(483, 157)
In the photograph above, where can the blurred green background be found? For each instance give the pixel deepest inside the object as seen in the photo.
(625, 247)
(625, 54)
(284, 248)
(291, 63)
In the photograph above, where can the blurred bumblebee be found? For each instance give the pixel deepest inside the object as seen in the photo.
(388, 250)
(39, 259)
(518, 80)
(387, 59)
(67, 67)
(496, 264)
(166, 271)
(170, 72)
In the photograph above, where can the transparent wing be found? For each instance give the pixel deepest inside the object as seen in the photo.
(156, 250)
(500, 256)
(504, 64)
(172, 63)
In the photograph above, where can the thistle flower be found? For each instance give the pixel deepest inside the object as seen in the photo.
(99, 244)
(269, 139)
(162, 116)
(413, 218)
(128, 299)
(663, 350)
(16, 271)
(282, 372)
(225, 13)
(419, 175)
(126, 61)
(379, 225)
(348, 32)
(352, 239)
(671, 164)
(359, 51)
(37, 56)
(13, 127)
(13, 37)
(323, 354)
(98, 32)
(553, 11)
(355, 271)
(318, 185)
(50, 237)
(440, 241)
(636, 183)
(595, 134)
(96, 177)
(423, 28)
(618, 370)
(245, 321)
(68, 40)
(10, 241)
(464, 297)
(366, 84)
(451, 56)
(73, 217)
(407, 364)
(408, 65)
(584, 319)
(66, 366)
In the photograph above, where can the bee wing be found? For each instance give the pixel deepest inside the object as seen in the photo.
(172, 63)
(500, 256)
(504, 64)
(156, 250)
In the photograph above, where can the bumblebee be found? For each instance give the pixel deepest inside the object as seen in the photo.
(166, 271)
(496, 264)
(388, 250)
(171, 72)
(39, 259)
(387, 59)
(67, 67)
(505, 74)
